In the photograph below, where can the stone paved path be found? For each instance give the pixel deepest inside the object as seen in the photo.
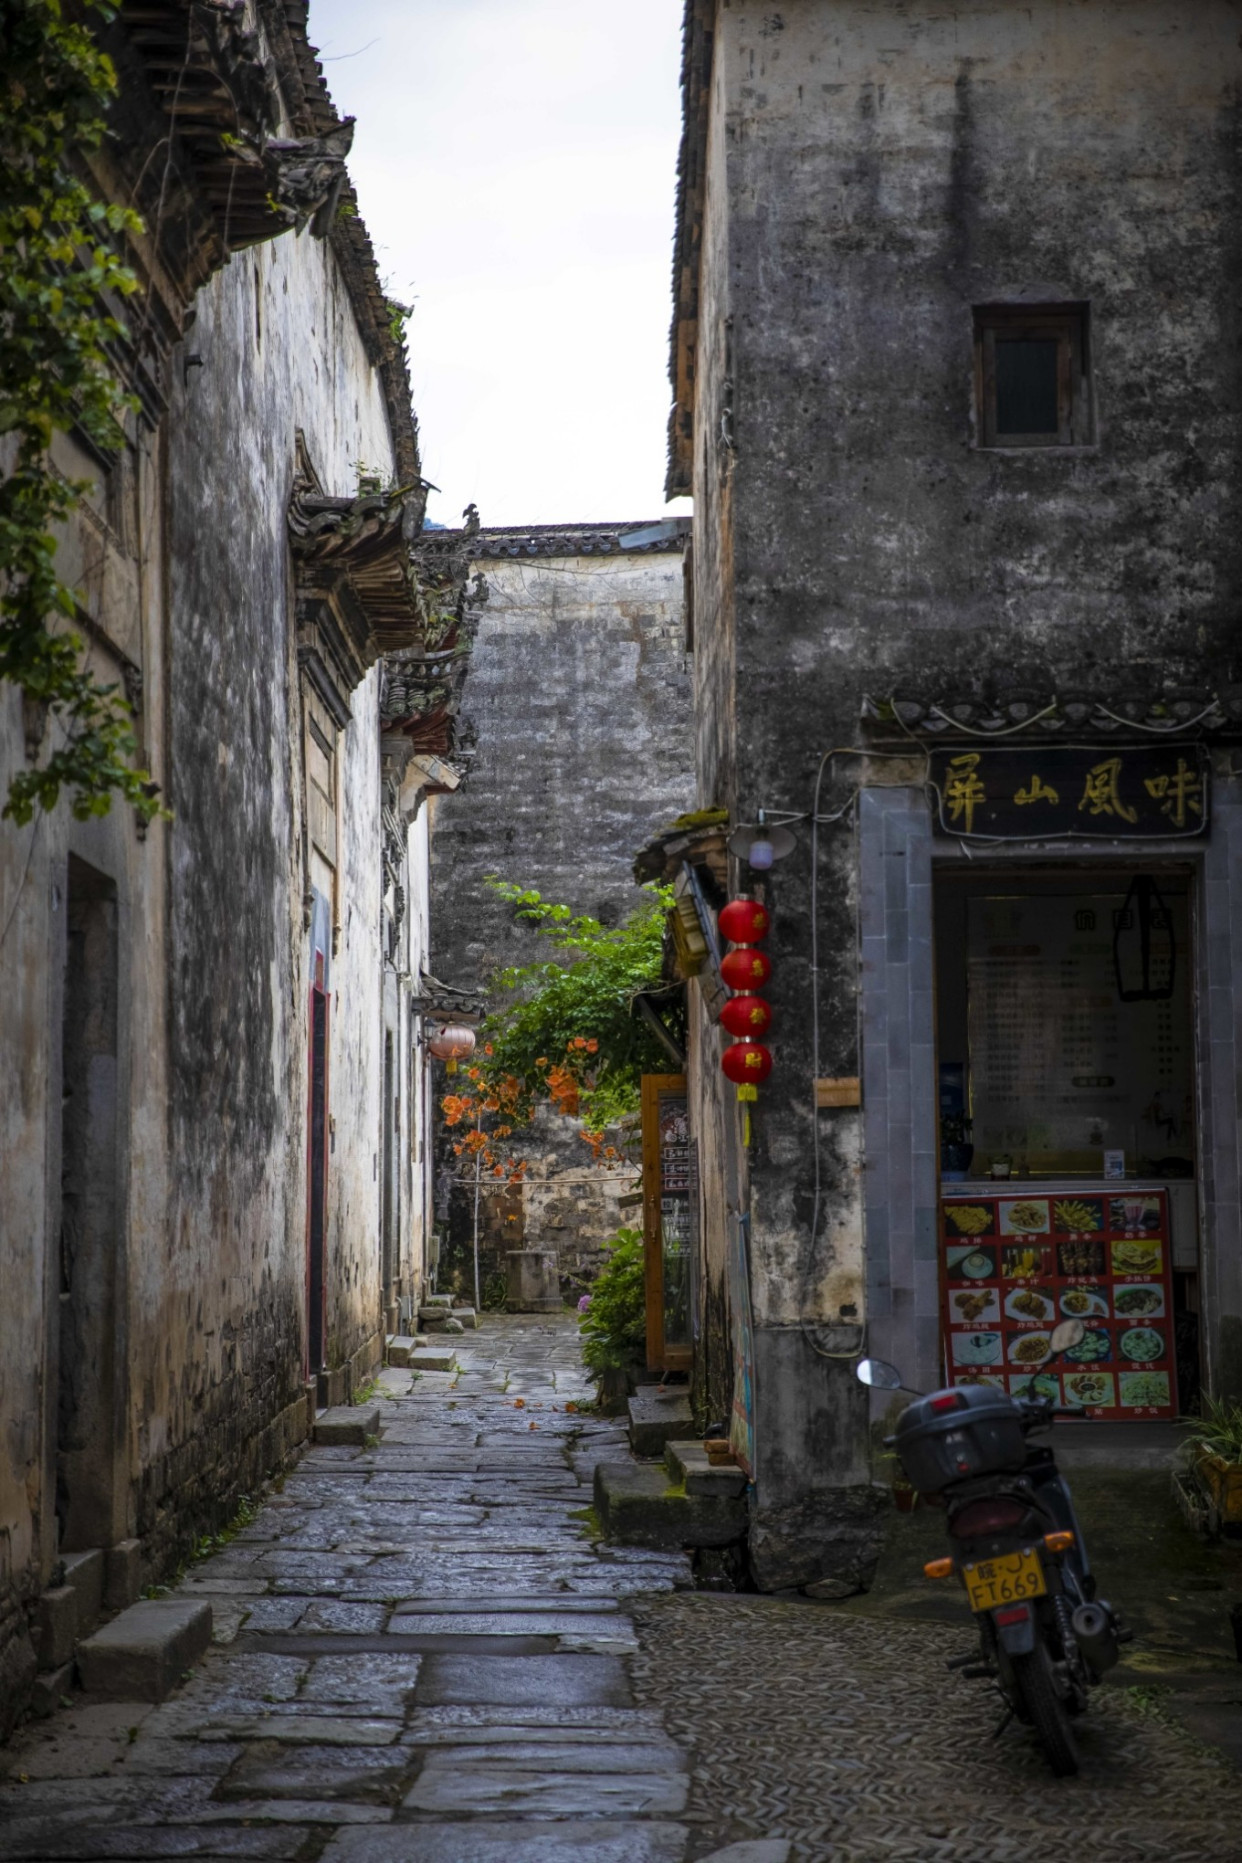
(419, 1658)
(422, 1658)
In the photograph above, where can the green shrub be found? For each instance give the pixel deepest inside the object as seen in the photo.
(614, 1324)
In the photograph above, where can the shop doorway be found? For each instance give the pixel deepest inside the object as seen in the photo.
(316, 1240)
(90, 1217)
(1068, 1148)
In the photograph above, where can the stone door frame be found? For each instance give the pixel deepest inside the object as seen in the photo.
(898, 858)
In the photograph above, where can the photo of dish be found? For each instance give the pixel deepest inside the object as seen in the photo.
(1137, 1257)
(1143, 1344)
(1080, 1258)
(1027, 1216)
(1145, 1390)
(1024, 1264)
(1045, 1383)
(1134, 1216)
(980, 1377)
(1092, 1389)
(976, 1348)
(1082, 1303)
(1077, 1216)
(975, 1306)
(1139, 1302)
(1094, 1346)
(970, 1219)
(1029, 1348)
(970, 1264)
(1029, 1305)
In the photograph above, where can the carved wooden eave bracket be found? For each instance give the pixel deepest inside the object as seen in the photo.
(216, 82)
(357, 594)
(420, 698)
(1036, 713)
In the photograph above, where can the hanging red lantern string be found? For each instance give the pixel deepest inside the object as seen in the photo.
(744, 921)
(746, 1016)
(745, 969)
(746, 1061)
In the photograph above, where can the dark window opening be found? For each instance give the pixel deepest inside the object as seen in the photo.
(1032, 376)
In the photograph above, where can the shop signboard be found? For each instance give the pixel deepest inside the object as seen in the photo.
(667, 1229)
(1012, 1266)
(1042, 792)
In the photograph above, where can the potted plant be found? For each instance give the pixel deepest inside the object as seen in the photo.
(956, 1146)
(613, 1320)
(1215, 1452)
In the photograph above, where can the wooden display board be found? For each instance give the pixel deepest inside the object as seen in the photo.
(1012, 1265)
(667, 1225)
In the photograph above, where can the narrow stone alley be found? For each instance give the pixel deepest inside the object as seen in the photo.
(423, 1655)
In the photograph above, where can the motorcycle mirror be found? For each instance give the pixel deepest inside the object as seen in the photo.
(1067, 1335)
(879, 1374)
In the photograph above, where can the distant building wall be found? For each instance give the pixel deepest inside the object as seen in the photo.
(580, 694)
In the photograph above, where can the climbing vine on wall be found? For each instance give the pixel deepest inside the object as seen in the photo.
(62, 281)
(567, 1035)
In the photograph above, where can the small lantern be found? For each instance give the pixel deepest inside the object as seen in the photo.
(746, 1016)
(453, 1043)
(745, 969)
(744, 921)
(747, 1062)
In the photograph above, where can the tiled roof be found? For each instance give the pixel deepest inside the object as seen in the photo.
(665, 536)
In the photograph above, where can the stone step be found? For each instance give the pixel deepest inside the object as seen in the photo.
(432, 1358)
(657, 1417)
(639, 1506)
(348, 1424)
(142, 1654)
(84, 1574)
(468, 1317)
(400, 1348)
(688, 1463)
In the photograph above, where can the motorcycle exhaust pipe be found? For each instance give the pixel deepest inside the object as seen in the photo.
(1096, 1632)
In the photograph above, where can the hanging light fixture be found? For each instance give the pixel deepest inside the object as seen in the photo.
(761, 843)
(452, 1043)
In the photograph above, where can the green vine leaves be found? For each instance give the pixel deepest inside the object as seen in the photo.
(62, 284)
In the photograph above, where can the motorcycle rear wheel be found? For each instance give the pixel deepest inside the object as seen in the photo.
(1040, 1704)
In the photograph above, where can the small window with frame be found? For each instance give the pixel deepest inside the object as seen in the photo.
(1032, 374)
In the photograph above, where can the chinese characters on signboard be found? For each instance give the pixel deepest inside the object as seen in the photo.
(1053, 791)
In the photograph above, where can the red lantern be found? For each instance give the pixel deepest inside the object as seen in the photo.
(744, 921)
(746, 969)
(747, 1062)
(746, 1016)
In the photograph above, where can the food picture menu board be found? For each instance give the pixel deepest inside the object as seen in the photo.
(1013, 1266)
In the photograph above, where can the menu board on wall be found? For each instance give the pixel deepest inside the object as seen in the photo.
(1061, 1069)
(1013, 1266)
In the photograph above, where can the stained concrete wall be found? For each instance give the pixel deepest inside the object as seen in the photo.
(580, 692)
(197, 1346)
(878, 170)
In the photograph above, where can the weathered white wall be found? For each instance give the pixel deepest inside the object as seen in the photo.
(211, 1079)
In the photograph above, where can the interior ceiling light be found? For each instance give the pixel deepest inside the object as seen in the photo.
(761, 843)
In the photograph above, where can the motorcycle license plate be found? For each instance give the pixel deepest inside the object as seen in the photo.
(1007, 1580)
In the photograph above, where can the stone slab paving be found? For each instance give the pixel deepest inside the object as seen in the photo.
(421, 1656)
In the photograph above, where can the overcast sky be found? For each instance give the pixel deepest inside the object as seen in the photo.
(515, 165)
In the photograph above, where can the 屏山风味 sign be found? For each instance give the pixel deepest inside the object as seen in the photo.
(1147, 791)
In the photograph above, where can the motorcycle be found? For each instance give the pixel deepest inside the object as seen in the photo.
(1045, 1638)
